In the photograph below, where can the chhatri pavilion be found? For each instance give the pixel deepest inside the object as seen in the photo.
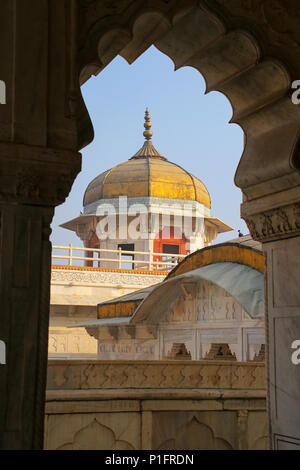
(160, 213)
(174, 208)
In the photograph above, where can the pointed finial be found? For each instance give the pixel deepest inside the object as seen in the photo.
(147, 133)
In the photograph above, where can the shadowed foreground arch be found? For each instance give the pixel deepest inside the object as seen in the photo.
(250, 54)
(233, 59)
(235, 62)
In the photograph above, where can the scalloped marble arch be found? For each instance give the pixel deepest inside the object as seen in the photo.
(232, 63)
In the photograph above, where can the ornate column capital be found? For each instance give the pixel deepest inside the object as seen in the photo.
(36, 175)
(272, 209)
(275, 224)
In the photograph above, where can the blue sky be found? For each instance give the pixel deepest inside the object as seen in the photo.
(189, 128)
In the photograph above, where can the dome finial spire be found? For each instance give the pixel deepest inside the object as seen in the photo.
(148, 150)
(147, 133)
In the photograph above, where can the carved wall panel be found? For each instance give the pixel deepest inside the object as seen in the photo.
(66, 341)
(194, 430)
(155, 405)
(160, 424)
(94, 431)
(214, 303)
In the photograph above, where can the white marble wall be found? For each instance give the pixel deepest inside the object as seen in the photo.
(202, 315)
(283, 310)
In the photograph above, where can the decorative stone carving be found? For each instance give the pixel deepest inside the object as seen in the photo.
(209, 302)
(37, 175)
(104, 277)
(248, 379)
(275, 224)
(214, 303)
(71, 343)
(183, 310)
(162, 374)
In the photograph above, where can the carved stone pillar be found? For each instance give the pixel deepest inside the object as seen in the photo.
(32, 183)
(24, 298)
(278, 228)
(40, 134)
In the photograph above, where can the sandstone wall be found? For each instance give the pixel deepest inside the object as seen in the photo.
(155, 405)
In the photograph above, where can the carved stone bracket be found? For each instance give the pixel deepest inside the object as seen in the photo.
(93, 331)
(36, 175)
(86, 230)
(130, 330)
(283, 222)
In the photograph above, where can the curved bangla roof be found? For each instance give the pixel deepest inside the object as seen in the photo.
(243, 283)
(147, 174)
(242, 250)
(237, 266)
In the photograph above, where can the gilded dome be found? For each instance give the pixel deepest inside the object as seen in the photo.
(147, 174)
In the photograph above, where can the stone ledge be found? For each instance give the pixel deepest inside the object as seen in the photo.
(149, 394)
(142, 400)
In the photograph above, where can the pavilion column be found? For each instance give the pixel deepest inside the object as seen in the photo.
(32, 182)
(278, 228)
(43, 124)
(24, 299)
